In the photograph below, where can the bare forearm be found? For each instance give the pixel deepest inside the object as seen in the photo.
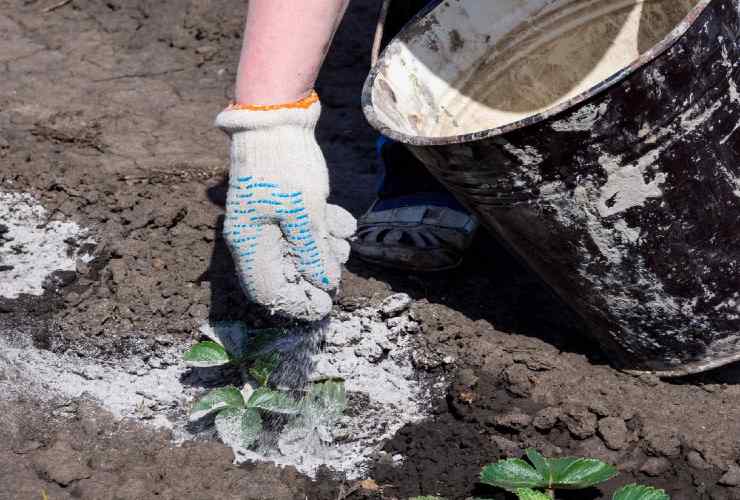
(285, 42)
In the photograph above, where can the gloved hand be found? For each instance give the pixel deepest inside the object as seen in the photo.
(288, 244)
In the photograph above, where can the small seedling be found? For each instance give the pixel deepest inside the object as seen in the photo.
(540, 479)
(639, 492)
(263, 366)
(208, 354)
(237, 417)
(515, 474)
(328, 397)
(239, 414)
(630, 492)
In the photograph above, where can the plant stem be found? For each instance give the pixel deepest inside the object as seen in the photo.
(550, 493)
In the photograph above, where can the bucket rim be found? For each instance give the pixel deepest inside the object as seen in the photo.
(416, 140)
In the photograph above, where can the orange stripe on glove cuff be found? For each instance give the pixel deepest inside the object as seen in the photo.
(304, 103)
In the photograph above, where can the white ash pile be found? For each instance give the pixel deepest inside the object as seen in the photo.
(371, 351)
(33, 247)
(127, 390)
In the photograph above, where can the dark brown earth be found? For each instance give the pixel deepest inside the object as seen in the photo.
(105, 115)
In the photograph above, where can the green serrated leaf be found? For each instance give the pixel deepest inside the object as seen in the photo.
(239, 426)
(217, 399)
(263, 367)
(541, 464)
(512, 474)
(427, 498)
(273, 401)
(329, 396)
(579, 473)
(259, 341)
(639, 492)
(232, 335)
(207, 354)
(530, 494)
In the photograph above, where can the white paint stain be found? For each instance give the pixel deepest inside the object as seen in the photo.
(734, 94)
(693, 118)
(528, 156)
(626, 186)
(614, 243)
(583, 120)
(734, 97)
(630, 183)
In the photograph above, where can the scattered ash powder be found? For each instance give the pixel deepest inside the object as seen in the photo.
(126, 388)
(32, 246)
(369, 349)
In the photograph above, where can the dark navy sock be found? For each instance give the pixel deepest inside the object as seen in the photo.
(405, 181)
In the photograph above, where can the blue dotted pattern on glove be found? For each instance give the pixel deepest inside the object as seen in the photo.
(250, 206)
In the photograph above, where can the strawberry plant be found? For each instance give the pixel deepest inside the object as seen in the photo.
(327, 397)
(250, 352)
(263, 366)
(639, 492)
(541, 477)
(240, 413)
(236, 347)
(630, 492)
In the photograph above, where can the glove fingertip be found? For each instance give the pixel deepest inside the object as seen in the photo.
(340, 222)
(302, 302)
(328, 278)
(341, 249)
(320, 305)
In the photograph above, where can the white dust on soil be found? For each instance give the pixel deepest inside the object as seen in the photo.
(32, 246)
(126, 388)
(369, 349)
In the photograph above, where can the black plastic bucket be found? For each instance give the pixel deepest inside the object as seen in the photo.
(600, 140)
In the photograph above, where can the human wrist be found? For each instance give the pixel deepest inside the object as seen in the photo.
(238, 117)
(304, 102)
(271, 96)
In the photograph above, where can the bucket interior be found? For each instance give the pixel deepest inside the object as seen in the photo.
(472, 65)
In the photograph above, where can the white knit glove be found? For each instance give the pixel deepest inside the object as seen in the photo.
(288, 244)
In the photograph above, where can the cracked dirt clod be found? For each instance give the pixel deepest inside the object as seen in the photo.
(546, 418)
(614, 432)
(518, 380)
(61, 464)
(655, 466)
(581, 423)
(395, 304)
(662, 442)
(515, 420)
(731, 477)
(697, 461)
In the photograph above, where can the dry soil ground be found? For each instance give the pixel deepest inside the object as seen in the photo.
(106, 112)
